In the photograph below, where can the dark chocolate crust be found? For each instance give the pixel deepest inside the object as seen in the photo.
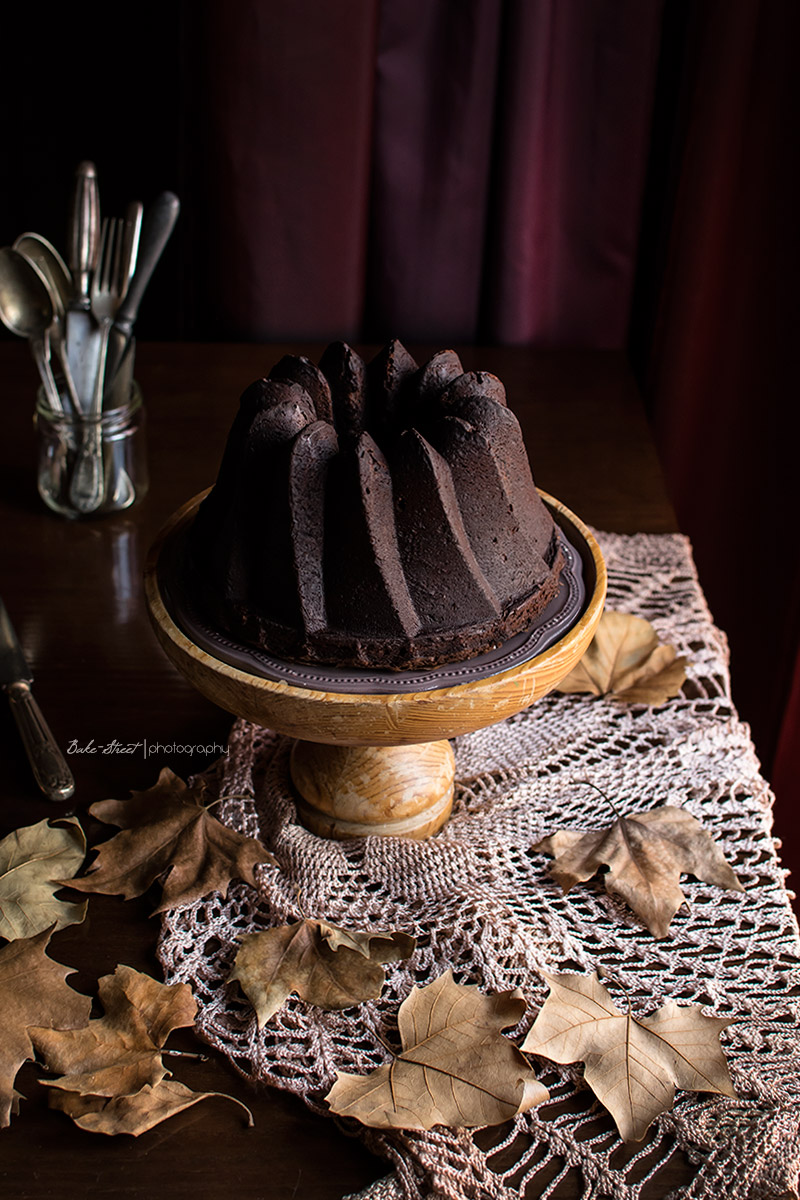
(377, 516)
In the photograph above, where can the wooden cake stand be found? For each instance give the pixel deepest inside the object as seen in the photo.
(379, 762)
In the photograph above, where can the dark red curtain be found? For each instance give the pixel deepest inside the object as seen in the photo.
(723, 363)
(282, 120)
(436, 169)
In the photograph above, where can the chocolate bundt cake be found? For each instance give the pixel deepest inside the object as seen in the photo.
(378, 515)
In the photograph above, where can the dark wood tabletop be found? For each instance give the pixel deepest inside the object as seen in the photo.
(73, 591)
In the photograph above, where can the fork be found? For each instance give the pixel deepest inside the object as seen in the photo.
(88, 483)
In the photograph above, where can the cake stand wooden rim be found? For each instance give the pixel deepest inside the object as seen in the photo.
(383, 715)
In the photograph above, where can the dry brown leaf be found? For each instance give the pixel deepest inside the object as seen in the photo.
(625, 660)
(325, 965)
(114, 1078)
(646, 855)
(133, 1114)
(633, 1065)
(32, 861)
(121, 1052)
(33, 991)
(168, 832)
(455, 1069)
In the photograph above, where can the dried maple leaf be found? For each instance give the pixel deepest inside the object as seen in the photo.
(33, 991)
(455, 1068)
(121, 1052)
(633, 1065)
(168, 832)
(32, 862)
(646, 855)
(114, 1079)
(133, 1114)
(626, 660)
(325, 965)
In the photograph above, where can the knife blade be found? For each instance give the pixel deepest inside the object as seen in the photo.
(83, 243)
(47, 762)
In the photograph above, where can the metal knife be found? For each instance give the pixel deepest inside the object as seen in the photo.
(49, 767)
(157, 226)
(84, 232)
(83, 243)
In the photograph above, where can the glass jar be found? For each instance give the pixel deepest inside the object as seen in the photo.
(90, 466)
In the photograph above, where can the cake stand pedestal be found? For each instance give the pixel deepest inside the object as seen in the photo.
(376, 762)
(351, 791)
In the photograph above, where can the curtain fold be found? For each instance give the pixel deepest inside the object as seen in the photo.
(284, 125)
(436, 82)
(577, 85)
(435, 170)
(723, 363)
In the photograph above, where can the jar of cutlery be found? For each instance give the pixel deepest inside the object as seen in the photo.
(89, 465)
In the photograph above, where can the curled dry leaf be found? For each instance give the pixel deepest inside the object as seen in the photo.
(633, 1065)
(626, 660)
(325, 965)
(455, 1068)
(646, 855)
(33, 860)
(133, 1114)
(113, 1077)
(119, 1053)
(33, 991)
(169, 834)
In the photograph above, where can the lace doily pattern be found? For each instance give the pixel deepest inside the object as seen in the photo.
(480, 901)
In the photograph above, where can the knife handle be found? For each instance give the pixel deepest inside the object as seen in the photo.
(84, 231)
(47, 762)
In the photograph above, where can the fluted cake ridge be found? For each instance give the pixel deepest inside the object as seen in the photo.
(377, 514)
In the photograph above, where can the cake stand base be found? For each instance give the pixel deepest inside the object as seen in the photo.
(359, 791)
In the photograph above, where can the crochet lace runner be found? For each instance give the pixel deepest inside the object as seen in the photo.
(479, 900)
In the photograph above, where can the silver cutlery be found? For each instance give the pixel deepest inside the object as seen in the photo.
(88, 484)
(84, 231)
(157, 226)
(44, 255)
(47, 762)
(83, 245)
(56, 277)
(84, 314)
(27, 310)
(116, 387)
(130, 244)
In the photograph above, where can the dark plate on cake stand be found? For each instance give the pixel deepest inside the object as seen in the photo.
(372, 755)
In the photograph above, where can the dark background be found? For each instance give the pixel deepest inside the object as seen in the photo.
(610, 173)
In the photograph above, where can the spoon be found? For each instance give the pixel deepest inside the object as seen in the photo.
(57, 278)
(27, 310)
(44, 255)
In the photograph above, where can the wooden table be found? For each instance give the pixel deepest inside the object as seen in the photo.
(73, 591)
